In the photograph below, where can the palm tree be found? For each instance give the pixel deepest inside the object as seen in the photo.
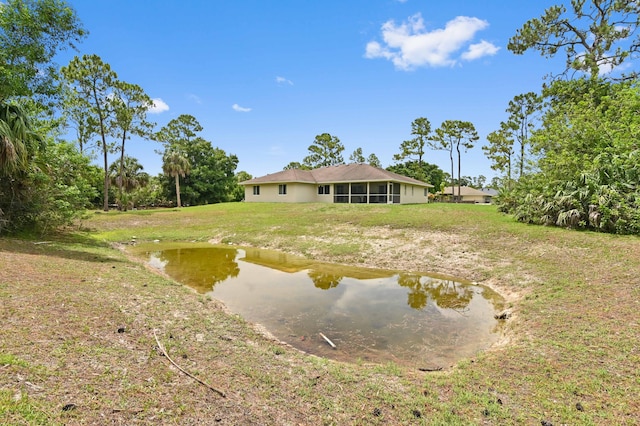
(18, 142)
(175, 164)
(128, 176)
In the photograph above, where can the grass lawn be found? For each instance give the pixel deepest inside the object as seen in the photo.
(85, 324)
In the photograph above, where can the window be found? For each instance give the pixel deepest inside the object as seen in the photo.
(396, 193)
(256, 190)
(324, 189)
(358, 193)
(426, 192)
(377, 193)
(282, 189)
(340, 193)
(341, 189)
(358, 188)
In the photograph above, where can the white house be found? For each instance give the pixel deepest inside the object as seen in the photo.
(344, 183)
(467, 195)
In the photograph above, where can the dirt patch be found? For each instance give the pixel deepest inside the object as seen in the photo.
(411, 250)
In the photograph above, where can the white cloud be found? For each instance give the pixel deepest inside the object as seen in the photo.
(158, 107)
(478, 50)
(605, 67)
(282, 80)
(409, 45)
(238, 108)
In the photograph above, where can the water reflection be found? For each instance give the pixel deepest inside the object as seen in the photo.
(373, 315)
(324, 281)
(198, 268)
(446, 294)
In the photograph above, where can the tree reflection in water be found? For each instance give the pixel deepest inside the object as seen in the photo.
(202, 269)
(324, 281)
(444, 293)
(371, 314)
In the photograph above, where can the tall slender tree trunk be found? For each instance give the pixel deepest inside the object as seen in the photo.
(105, 204)
(178, 190)
(509, 172)
(522, 158)
(120, 183)
(524, 136)
(453, 192)
(459, 179)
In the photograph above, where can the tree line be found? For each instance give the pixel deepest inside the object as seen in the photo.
(567, 155)
(46, 182)
(453, 136)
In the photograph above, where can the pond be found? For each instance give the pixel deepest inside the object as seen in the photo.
(370, 315)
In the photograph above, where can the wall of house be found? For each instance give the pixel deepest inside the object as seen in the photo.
(411, 194)
(308, 193)
(269, 193)
(323, 198)
(475, 198)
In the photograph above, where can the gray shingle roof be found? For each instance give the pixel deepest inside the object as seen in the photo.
(333, 174)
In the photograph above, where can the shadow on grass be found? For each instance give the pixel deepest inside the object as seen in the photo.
(72, 246)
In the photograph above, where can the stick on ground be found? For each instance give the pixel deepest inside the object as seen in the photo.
(328, 341)
(164, 352)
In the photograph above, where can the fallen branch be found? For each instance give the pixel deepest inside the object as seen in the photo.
(129, 411)
(430, 369)
(328, 341)
(164, 352)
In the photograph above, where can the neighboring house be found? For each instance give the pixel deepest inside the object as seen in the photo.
(467, 195)
(344, 183)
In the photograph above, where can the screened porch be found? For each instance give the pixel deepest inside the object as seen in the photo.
(367, 193)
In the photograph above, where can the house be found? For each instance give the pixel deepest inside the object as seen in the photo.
(490, 191)
(343, 183)
(467, 195)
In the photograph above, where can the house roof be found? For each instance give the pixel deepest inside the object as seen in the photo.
(335, 174)
(464, 190)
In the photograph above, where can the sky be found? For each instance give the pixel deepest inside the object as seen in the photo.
(264, 78)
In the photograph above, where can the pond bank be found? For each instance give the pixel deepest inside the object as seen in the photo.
(374, 315)
(573, 333)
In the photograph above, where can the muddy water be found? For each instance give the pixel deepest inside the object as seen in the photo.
(370, 315)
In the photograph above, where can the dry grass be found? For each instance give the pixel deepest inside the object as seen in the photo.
(77, 344)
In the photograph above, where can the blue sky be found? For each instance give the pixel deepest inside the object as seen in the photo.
(264, 78)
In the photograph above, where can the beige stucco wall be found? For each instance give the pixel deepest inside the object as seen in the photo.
(296, 193)
(323, 198)
(410, 194)
(308, 193)
(474, 198)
